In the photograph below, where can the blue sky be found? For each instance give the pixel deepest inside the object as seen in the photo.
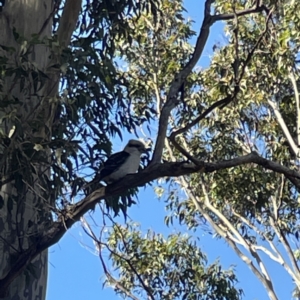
(75, 271)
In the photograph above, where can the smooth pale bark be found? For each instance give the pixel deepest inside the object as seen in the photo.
(24, 212)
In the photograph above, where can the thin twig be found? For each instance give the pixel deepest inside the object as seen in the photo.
(288, 249)
(297, 100)
(133, 269)
(88, 230)
(223, 102)
(257, 8)
(284, 127)
(50, 17)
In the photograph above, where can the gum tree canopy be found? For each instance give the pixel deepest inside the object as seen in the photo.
(74, 74)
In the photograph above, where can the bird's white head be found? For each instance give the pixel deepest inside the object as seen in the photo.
(135, 146)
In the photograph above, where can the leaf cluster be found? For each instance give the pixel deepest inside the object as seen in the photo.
(170, 268)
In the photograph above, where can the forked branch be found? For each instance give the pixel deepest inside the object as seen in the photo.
(74, 212)
(179, 79)
(229, 98)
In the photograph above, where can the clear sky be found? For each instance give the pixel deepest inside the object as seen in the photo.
(75, 271)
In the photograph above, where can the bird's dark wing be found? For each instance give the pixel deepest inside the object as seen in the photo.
(113, 163)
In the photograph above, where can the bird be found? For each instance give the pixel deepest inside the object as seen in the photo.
(122, 163)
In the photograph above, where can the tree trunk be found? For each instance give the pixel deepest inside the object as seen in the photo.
(24, 210)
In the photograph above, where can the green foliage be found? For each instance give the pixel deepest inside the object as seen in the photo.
(94, 104)
(158, 50)
(247, 123)
(256, 203)
(170, 268)
(115, 78)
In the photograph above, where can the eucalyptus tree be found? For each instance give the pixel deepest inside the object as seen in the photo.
(64, 96)
(58, 86)
(237, 122)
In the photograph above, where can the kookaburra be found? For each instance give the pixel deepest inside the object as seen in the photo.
(120, 164)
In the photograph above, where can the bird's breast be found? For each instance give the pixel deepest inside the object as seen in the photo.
(132, 164)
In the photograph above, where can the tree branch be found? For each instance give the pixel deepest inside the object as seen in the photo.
(258, 8)
(68, 22)
(179, 79)
(297, 99)
(284, 128)
(267, 284)
(98, 243)
(73, 213)
(229, 98)
(231, 241)
(277, 257)
(288, 250)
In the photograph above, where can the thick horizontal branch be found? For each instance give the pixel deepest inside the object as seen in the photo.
(73, 213)
(153, 172)
(156, 170)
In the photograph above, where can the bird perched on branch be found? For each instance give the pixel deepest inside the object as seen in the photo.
(122, 163)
